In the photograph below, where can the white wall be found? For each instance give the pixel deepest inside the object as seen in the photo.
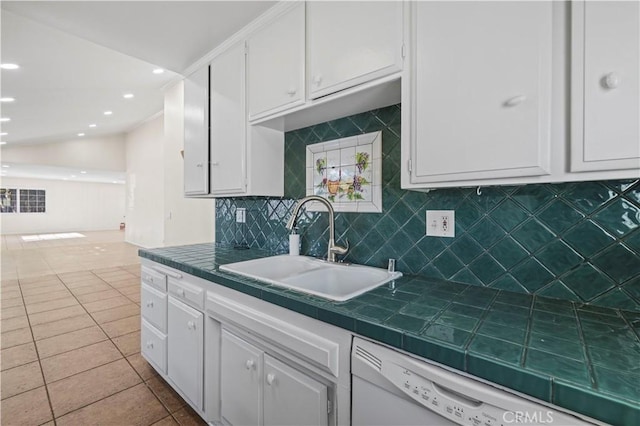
(187, 220)
(100, 153)
(145, 184)
(70, 206)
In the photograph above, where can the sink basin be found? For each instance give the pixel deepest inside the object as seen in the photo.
(334, 281)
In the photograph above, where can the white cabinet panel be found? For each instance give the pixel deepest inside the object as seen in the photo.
(276, 64)
(606, 85)
(153, 307)
(228, 122)
(351, 42)
(241, 381)
(185, 350)
(196, 133)
(292, 398)
(154, 346)
(481, 86)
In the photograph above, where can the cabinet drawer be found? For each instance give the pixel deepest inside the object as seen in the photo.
(154, 279)
(190, 294)
(153, 305)
(154, 346)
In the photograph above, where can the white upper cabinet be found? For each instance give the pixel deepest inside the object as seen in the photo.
(276, 64)
(228, 122)
(605, 85)
(351, 42)
(196, 133)
(480, 91)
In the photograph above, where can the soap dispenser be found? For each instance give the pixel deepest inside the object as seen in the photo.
(294, 243)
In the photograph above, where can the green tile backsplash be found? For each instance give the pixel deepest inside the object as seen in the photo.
(573, 241)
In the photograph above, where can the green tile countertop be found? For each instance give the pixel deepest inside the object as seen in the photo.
(583, 358)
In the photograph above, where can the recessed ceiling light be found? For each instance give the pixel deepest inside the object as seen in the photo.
(9, 66)
(3, 143)
(108, 112)
(65, 178)
(7, 99)
(128, 95)
(4, 119)
(4, 134)
(6, 166)
(158, 71)
(92, 125)
(80, 134)
(115, 181)
(84, 172)
(73, 176)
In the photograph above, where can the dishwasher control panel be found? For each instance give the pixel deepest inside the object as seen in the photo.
(446, 402)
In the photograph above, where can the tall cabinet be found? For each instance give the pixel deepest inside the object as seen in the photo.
(196, 133)
(480, 90)
(605, 85)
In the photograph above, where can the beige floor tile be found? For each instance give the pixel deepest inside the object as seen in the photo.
(21, 379)
(58, 314)
(69, 341)
(69, 363)
(16, 337)
(169, 398)
(167, 421)
(102, 305)
(134, 406)
(19, 355)
(128, 344)
(122, 326)
(85, 283)
(29, 408)
(93, 288)
(79, 390)
(38, 280)
(135, 298)
(142, 367)
(7, 283)
(125, 283)
(43, 290)
(187, 417)
(6, 294)
(101, 295)
(69, 277)
(11, 312)
(55, 295)
(100, 271)
(11, 302)
(54, 328)
(14, 323)
(51, 305)
(130, 289)
(113, 314)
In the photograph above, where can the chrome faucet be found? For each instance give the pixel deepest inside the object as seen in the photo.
(333, 249)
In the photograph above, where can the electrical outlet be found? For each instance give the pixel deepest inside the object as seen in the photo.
(241, 215)
(441, 223)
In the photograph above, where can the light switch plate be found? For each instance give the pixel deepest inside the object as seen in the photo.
(241, 215)
(441, 223)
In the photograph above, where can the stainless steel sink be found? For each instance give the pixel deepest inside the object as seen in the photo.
(334, 281)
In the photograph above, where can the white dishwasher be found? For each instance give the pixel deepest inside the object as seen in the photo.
(391, 388)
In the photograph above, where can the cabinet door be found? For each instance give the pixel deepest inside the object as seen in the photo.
(276, 64)
(351, 42)
(228, 122)
(605, 85)
(241, 381)
(481, 90)
(186, 349)
(291, 397)
(196, 133)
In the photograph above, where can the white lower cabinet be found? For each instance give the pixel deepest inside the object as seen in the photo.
(185, 349)
(154, 346)
(258, 389)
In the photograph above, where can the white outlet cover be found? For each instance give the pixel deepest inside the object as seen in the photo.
(441, 223)
(241, 215)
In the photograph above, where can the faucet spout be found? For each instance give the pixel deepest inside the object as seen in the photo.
(333, 249)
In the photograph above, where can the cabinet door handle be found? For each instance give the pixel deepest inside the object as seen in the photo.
(181, 292)
(191, 325)
(317, 80)
(516, 100)
(249, 364)
(215, 163)
(199, 165)
(291, 91)
(271, 378)
(150, 304)
(149, 344)
(610, 81)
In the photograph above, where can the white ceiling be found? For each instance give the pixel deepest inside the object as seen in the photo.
(78, 58)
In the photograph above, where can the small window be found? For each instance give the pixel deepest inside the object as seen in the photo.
(22, 201)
